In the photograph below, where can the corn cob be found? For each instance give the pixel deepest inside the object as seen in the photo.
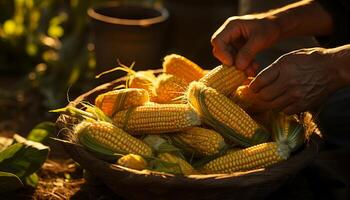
(105, 138)
(132, 161)
(160, 118)
(225, 116)
(184, 166)
(169, 88)
(254, 157)
(144, 80)
(224, 79)
(116, 100)
(247, 100)
(182, 67)
(200, 141)
(243, 97)
(287, 129)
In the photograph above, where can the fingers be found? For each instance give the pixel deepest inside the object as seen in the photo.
(252, 69)
(264, 78)
(248, 51)
(223, 53)
(222, 41)
(279, 103)
(273, 91)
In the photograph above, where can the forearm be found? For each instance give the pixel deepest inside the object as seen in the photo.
(341, 57)
(305, 17)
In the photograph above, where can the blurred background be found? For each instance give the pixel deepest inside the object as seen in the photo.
(51, 50)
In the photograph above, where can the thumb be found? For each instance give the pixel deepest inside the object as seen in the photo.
(248, 52)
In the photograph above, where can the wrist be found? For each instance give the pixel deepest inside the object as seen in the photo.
(289, 18)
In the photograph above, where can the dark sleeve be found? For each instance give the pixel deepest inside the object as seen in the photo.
(340, 12)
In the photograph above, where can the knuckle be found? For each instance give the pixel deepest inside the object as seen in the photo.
(214, 40)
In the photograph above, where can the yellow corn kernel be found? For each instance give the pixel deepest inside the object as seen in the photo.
(225, 116)
(169, 88)
(200, 141)
(182, 67)
(225, 79)
(158, 118)
(132, 161)
(117, 100)
(106, 138)
(144, 80)
(254, 157)
(185, 167)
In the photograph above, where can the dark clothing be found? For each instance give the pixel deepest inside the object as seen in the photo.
(334, 120)
(332, 166)
(340, 12)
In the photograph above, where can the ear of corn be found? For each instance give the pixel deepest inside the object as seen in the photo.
(144, 80)
(225, 79)
(160, 118)
(117, 100)
(105, 138)
(254, 157)
(182, 67)
(169, 88)
(132, 161)
(200, 141)
(184, 166)
(225, 116)
(287, 129)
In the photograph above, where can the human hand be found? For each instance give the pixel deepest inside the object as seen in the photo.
(240, 38)
(298, 81)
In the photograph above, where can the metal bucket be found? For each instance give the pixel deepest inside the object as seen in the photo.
(129, 33)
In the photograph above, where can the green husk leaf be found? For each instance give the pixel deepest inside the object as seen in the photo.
(93, 146)
(162, 166)
(287, 129)
(159, 144)
(97, 113)
(75, 112)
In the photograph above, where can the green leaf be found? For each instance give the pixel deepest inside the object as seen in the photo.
(24, 158)
(41, 132)
(10, 151)
(9, 182)
(32, 180)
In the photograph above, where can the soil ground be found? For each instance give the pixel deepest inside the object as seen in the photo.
(60, 177)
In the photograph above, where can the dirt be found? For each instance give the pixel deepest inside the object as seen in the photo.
(60, 177)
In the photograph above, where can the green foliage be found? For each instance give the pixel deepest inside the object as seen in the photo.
(19, 162)
(50, 33)
(9, 182)
(41, 132)
(24, 157)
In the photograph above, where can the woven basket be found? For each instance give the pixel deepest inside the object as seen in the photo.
(133, 184)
